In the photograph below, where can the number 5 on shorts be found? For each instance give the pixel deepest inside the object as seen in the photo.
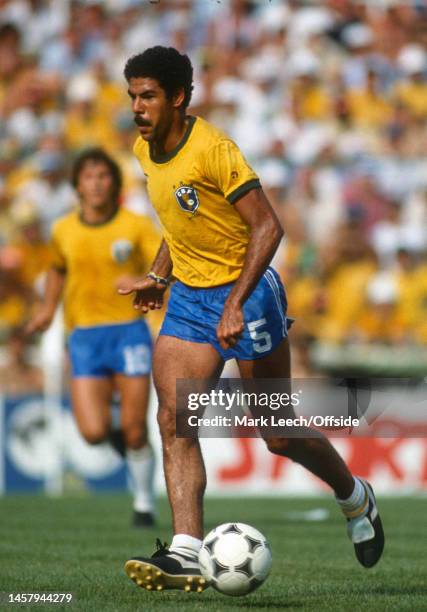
(261, 339)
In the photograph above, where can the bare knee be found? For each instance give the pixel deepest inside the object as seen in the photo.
(278, 446)
(95, 435)
(166, 421)
(135, 436)
(293, 448)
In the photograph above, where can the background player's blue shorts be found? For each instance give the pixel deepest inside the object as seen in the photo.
(102, 350)
(194, 315)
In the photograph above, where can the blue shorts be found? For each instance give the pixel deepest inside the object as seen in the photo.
(194, 315)
(103, 350)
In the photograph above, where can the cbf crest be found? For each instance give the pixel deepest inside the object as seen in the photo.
(187, 198)
(121, 250)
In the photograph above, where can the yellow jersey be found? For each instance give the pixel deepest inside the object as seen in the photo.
(193, 189)
(414, 96)
(95, 258)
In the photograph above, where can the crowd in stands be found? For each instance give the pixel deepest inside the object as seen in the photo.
(327, 100)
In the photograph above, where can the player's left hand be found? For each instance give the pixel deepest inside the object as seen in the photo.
(148, 293)
(231, 326)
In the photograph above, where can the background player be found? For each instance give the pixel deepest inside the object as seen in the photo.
(94, 249)
(220, 234)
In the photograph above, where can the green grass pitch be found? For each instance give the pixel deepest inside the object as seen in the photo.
(79, 544)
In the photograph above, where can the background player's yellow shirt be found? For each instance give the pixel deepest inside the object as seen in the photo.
(95, 258)
(193, 189)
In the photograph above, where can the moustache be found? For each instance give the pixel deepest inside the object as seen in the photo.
(141, 122)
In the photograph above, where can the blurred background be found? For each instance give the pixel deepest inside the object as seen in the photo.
(328, 102)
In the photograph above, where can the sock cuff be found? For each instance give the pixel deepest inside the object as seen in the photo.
(182, 540)
(139, 454)
(357, 503)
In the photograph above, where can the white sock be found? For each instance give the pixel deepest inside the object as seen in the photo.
(141, 468)
(183, 543)
(357, 504)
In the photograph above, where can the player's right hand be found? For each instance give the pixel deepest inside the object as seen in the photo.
(148, 294)
(40, 321)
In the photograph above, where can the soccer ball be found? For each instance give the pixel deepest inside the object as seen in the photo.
(235, 558)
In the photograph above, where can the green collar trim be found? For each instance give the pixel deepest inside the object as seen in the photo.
(162, 159)
(101, 223)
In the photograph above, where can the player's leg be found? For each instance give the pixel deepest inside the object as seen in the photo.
(91, 384)
(185, 475)
(91, 401)
(317, 454)
(134, 398)
(129, 357)
(182, 459)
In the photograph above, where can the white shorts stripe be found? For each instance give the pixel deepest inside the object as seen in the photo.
(271, 280)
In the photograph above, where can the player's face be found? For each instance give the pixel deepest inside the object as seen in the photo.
(95, 184)
(152, 109)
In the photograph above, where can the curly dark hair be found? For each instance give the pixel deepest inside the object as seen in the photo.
(171, 70)
(98, 155)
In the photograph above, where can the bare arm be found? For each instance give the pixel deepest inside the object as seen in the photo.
(52, 296)
(148, 293)
(162, 264)
(266, 233)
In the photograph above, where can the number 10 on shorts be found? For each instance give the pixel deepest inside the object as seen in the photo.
(137, 360)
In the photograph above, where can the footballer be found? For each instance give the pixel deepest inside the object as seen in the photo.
(219, 236)
(94, 248)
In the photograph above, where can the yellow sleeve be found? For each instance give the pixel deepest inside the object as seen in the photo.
(57, 256)
(229, 171)
(149, 244)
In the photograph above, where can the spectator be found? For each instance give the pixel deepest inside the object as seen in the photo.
(328, 101)
(49, 190)
(18, 376)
